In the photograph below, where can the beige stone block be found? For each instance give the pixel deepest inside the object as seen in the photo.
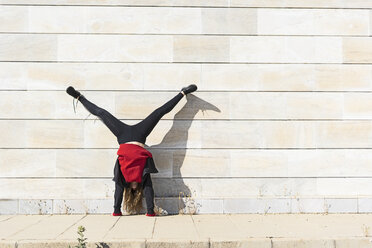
(302, 3)
(285, 134)
(312, 22)
(27, 163)
(55, 76)
(13, 135)
(258, 163)
(229, 21)
(57, 19)
(143, 20)
(342, 77)
(54, 134)
(201, 163)
(357, 50)
(145, 48)
(341, 187)
(88, 47)
(114, 48)
(23, 104)
(13, 76)
(256, 105)
(296, 77)
(28, 47)
(313, 106)
(231, 134)
(353, 242)
(158, 76)
(78, 188)
(344, 134)
(224, 187)
(201, 49)
(357, 105)
(85, 162)
(14, 19)
(281, 49)
(229, 77)
(329, 163)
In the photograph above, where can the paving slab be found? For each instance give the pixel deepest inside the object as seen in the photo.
(96, 227)
(216, 226)
(18, 223)
(312, 225)
(47, 228)
(132, 227)
(175, 227)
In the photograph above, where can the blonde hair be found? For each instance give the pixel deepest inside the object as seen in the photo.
(132, 200)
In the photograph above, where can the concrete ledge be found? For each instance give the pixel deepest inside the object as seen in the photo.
(128, 243)
(200, 243)
(241, 243)
(303, 243)
(177, 243)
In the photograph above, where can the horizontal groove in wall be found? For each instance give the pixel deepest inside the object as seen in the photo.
(207, 91)
(187, 62)
(190, 34)
(177, 62)
(183, 6)
(191, 148)
(187, 120)
(155, 178)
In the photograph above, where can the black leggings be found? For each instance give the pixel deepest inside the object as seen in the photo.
(125, 133)
(138, 132)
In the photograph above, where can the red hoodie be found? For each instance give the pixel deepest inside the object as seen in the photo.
(132, 159)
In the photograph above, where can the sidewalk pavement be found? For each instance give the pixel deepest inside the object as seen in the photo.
(204, 231)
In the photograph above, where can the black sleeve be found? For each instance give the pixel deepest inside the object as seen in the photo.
(149, 193)
(119, 190)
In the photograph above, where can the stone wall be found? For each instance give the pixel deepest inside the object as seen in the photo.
(281, 122)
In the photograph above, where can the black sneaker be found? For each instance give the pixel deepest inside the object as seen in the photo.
(72, 92)
(189, 89)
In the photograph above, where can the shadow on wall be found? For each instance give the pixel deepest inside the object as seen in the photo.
(177, 137)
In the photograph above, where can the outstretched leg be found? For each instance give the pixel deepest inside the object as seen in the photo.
(148, 124)
(108, 119)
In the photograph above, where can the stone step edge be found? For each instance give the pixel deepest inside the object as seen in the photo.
(269, 242)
